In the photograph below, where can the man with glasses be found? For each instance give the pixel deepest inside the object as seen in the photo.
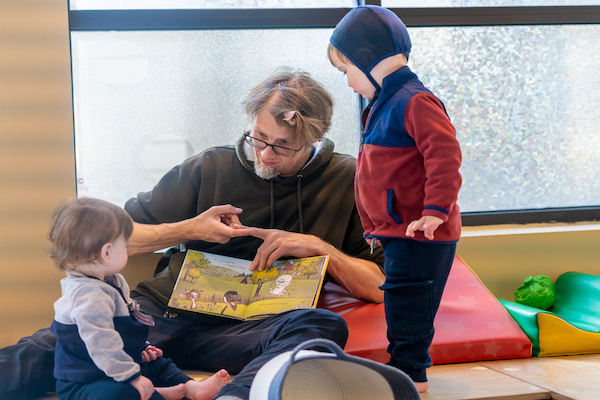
(297, 196)
(260, 168)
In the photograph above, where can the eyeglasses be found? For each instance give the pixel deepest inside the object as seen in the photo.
(279, 150)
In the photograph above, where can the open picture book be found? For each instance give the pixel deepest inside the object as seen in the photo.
(220, 285)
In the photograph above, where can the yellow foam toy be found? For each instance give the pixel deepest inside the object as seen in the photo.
(559, 338)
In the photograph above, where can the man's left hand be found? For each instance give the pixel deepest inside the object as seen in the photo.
(278, 243)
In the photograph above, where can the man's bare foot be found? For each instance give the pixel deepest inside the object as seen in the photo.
(208, 388)
(422, 386)
(176, 392)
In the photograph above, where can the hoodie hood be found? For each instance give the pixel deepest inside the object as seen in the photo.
(369, 34)
(323, 150)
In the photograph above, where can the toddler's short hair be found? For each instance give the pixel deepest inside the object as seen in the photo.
(331, 50)
(79, 228)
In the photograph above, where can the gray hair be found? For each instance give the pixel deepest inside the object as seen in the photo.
(293, 90)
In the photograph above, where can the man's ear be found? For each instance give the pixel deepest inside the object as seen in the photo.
(105, 253)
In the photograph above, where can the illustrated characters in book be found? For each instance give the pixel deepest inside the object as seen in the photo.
(231, 299)
(282, 283)
(266, 275)
(191, 295)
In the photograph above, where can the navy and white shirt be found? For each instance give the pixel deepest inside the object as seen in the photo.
(97, 333)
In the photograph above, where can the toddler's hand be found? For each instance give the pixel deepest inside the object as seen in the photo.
(144, 386)
(151, 353)
(428, 224)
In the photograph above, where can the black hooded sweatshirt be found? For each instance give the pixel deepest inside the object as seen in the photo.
(318, 200)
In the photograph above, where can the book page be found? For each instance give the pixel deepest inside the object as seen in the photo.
(213, 284)
(287, 285)
(221, 285)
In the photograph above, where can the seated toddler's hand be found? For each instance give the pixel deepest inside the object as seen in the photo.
(151, 353)
(144, 386)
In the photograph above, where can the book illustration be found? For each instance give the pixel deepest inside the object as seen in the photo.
(231, 299)
(192, 296)
(220, 285)
(282, 282)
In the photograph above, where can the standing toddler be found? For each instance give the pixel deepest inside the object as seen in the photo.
(407, 178)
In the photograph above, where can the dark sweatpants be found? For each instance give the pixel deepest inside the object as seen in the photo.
(416, 274)
(26, 368)
(239, 347)
(192, 343)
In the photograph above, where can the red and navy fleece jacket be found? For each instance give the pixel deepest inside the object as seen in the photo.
(408, 163)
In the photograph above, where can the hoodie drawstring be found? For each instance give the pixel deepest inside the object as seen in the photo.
(299, 196)
(272, 207)
(299, 192)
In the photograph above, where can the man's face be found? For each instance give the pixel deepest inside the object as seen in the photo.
(267, 163)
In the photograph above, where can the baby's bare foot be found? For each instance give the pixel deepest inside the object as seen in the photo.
(176, 392)
(208, 388)
(422, 386)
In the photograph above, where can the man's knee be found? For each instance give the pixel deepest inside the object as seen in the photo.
(43, 339)
(323, 324)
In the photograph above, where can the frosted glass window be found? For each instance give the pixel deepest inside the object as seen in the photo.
(199, 4)
(525, 103)
(486, 3)
(144, 101)
(523, 100)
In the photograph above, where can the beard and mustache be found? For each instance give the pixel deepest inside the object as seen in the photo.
(264, 172)
(261, 170)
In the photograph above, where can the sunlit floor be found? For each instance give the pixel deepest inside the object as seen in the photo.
(562, 378)
(573, 377)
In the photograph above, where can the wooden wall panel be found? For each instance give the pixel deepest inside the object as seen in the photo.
(36, 157)
(502, 262)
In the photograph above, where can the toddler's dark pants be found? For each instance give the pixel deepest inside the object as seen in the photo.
(162, 372)
(416, 273)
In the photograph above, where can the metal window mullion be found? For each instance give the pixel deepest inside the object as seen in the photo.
(306, 18)
(530, 216)
(490, 16)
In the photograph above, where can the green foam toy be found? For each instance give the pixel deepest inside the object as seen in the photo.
(536, 292)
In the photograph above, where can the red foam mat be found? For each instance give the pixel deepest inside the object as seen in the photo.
(471, 325)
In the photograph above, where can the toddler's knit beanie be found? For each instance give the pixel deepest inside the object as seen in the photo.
(369, 34)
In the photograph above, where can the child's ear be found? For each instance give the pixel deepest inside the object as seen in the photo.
(104, 255)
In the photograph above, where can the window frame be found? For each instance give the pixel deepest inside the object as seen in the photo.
(310, 18)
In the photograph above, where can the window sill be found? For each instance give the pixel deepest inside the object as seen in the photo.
(497, 230)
